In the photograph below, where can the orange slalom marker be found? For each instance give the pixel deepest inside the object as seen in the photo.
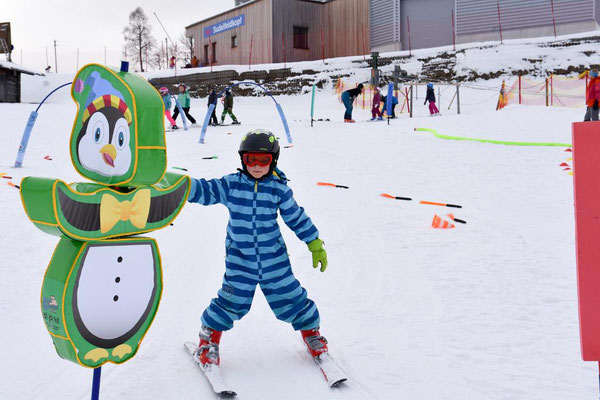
(13, 185)
(389, 196)
(439, 223)
(432, 203)
(332, 185)
(563, 165)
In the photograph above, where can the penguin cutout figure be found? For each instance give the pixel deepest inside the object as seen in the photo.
(102, 287)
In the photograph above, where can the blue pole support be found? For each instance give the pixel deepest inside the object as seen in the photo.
(279, 109)
(96, 383)
(25, 139)
(29, 127)
(389, 99)
(183, 118)
(205, 123)
(284, 121)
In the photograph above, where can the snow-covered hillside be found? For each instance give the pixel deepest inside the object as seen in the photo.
(487, 310)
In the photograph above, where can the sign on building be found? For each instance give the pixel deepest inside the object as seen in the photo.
(223, 26)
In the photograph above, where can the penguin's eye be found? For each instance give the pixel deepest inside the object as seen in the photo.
(120, 140)
(97, 135)
(121, 134)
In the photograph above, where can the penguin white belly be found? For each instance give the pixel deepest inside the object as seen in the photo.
(114, 291)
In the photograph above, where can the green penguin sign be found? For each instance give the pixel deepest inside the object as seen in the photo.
(102, 287)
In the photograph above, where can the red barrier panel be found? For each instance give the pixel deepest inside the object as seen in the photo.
(586, 174)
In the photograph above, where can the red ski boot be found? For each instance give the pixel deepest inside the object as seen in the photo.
(315, 343)
(208, 351)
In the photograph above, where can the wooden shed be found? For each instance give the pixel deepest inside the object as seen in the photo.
(10, 81)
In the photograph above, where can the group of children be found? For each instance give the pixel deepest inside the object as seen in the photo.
(349, 96)
(184, 100)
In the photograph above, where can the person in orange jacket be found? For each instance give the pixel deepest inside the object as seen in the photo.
(592, 97)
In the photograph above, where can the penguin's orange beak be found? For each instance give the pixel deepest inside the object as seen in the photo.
(109, 154)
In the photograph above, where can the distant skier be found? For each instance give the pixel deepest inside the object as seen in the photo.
(433, 110)
(212, 99)
(167, 101)
(255, 251)
(348, 98)
(592, 97)
(394, 104)
(172, 62)
(375, 111)
(184, 101)
(228, 108)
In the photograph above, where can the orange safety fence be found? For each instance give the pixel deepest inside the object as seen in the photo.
(557, 91)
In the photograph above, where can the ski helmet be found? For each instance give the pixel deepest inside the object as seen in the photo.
(430, 85)
(260, 141)
(594, 73)
(163, 90)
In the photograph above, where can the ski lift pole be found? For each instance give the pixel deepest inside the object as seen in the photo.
(29, 127)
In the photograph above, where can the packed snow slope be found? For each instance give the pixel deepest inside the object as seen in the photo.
(487, 310)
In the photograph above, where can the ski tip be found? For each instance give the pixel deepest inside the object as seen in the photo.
(338, 382)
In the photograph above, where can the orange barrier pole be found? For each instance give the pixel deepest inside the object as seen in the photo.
(332, 185)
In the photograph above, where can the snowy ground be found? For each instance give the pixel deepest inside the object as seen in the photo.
(484, 311)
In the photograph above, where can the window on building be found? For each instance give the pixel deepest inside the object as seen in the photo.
(300, 37)
(213, 54)
(234, 42)
(206, 54)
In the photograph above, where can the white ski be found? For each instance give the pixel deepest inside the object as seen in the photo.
(332, 373)
(212, 373)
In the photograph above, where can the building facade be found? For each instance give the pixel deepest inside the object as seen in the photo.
(415, 24)
(275, 31)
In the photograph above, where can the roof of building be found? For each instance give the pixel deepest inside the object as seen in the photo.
(16, 67)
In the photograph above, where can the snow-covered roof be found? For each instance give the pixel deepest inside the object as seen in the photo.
(16, 67)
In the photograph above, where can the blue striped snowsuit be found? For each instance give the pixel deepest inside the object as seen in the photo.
(255, 250)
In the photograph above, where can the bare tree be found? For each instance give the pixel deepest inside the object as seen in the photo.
(138, 37)
(188, 43)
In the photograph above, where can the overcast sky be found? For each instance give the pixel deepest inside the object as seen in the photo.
(90, 26)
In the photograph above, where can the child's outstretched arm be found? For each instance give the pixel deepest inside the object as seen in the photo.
(296, 219)
(209, 192)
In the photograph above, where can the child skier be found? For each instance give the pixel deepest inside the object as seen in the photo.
(255, 251)
(375, 111)
(348, 98)
(212, 99)
(228, 108)
(184, 101)
(433, 110)
(164, 92)
(592, 97)
(394, 104)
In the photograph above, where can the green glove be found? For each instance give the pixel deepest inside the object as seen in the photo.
(319, 255)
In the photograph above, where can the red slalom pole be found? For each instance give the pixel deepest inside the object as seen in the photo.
(250, 56)
(283, 44)
(409, 45)
(453, 32)
(499, 21)
(553, 19)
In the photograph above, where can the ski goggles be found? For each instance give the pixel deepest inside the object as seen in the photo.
(262, 159)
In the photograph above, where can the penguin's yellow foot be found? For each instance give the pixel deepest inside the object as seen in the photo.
(96, 354)
(121, 350)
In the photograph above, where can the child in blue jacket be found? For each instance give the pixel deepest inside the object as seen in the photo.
(255, 251)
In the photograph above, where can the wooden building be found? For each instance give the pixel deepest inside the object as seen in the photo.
(275, 31)
(10, 81)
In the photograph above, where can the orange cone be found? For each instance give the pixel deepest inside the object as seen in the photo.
(440, 223)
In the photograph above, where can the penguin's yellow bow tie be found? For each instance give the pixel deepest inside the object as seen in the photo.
(136, 211)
